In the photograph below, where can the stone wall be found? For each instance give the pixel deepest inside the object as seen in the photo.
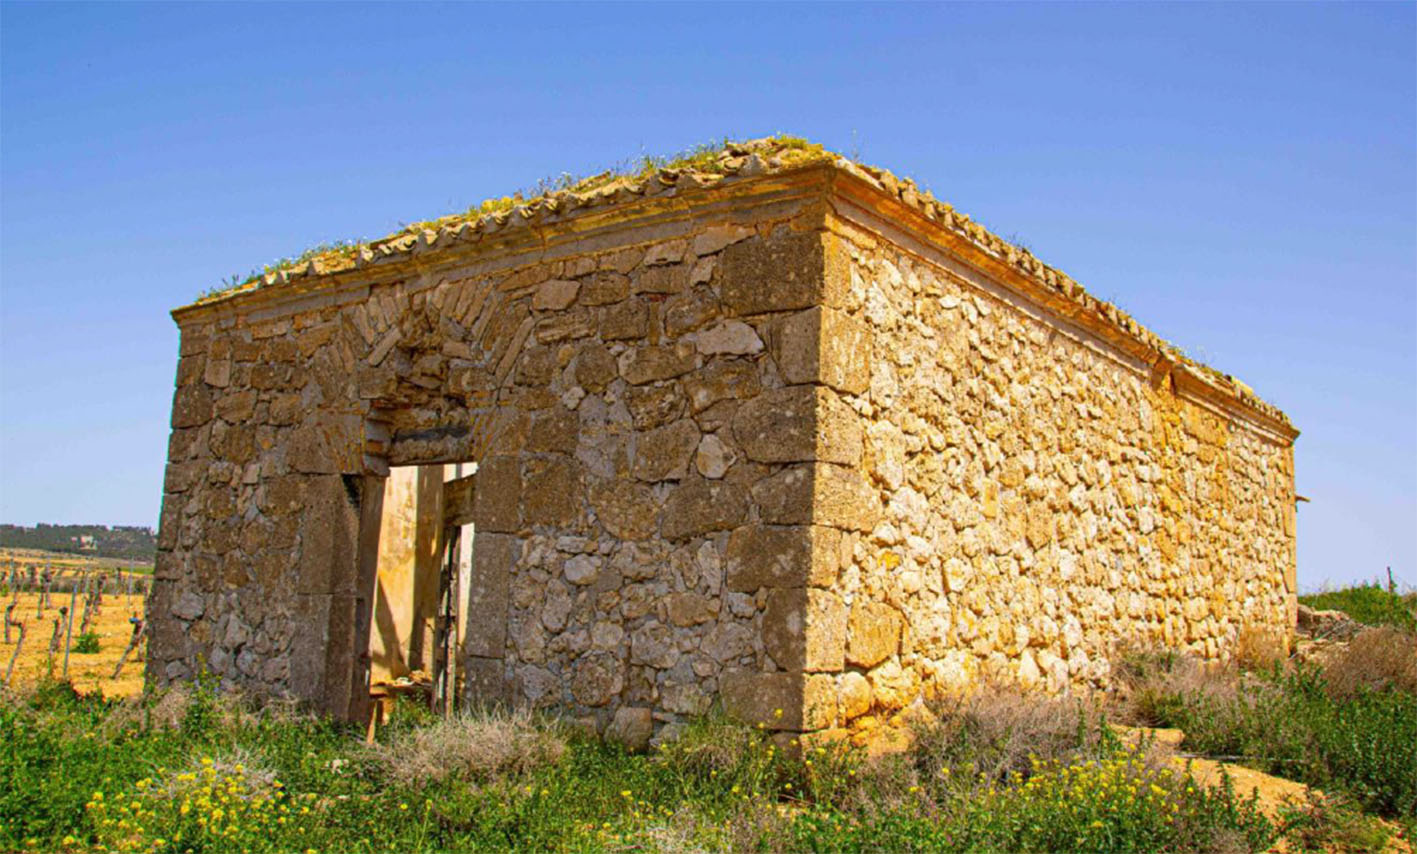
(1038, 497)
(632, 428)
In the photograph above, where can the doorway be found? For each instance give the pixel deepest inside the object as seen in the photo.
(422, 575)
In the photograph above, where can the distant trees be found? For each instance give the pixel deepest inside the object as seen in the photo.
(126, 542)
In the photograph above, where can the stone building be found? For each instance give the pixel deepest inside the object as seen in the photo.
(766, 426)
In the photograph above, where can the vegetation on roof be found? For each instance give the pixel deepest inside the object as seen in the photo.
(708, 158)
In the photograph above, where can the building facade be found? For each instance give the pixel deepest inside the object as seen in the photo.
(782, 431)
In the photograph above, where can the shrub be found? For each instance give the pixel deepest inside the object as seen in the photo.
(1376, 659)
(1000, 730)
(1332, 824)
(1259, 649)
(86, 643)
(1296, 725)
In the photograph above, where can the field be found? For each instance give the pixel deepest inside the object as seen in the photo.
(1279, 754)
(88, 671)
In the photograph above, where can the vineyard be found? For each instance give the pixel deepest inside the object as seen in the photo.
(74, 620)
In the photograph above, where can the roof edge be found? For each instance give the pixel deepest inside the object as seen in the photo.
(756, 168)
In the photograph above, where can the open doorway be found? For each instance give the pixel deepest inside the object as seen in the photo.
(423, 573)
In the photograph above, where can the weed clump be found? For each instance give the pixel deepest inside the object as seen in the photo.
(475, 747)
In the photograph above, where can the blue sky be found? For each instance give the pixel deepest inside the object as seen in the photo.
(1242, 178)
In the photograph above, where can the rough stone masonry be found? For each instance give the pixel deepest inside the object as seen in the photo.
(783, 432)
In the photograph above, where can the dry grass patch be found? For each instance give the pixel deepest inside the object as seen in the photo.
(478, 747)
(1001, 730)
(1377, 658)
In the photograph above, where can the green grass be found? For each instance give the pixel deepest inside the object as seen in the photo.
(1373, 604)
(1333, 730)
(202, 772)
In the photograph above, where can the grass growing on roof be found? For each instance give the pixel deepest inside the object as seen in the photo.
(705, 158)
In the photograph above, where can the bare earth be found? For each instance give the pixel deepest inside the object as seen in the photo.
(87, 672)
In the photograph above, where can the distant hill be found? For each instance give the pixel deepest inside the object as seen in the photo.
(128, 542)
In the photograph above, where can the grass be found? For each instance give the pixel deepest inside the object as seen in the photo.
(87, 644)
(1349, 726)
(202, 771)
(1372, 603)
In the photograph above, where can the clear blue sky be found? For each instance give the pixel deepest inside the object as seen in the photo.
(1243, 179)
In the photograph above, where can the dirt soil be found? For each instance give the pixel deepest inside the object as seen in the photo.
(91, 672)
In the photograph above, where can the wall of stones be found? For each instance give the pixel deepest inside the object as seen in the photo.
(636, 411)
(1038, 497)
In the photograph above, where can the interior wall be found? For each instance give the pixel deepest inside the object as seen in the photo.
(406, 589)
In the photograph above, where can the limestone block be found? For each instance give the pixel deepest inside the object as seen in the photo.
(582, 569)
(844, 500)
(217, 373)
(796, 424)
(191, 406)
(653, 645)
(785, 497)
(853, 695)
(604, 288)
(554, 430)
(669, 279)
(689, 311)
(690, 609)
(484, 682)
(664, 453)
(493, 562)
(598, 679)
(714, 238)
(713, 458)
(649, 364)
(556, 605)
(628, 510)
(727, 641)
(625, 321)
(730, 379)
(791, 556)
(632, 727)
(499, 492)
(555, 295)
(698, 507)
(552, 493)
(577, 322)
(729, 337)
(684, 699)
(893, 686)
(779, 701)
(595, 367)
(537, 686)
(873, 633)
(805, 629)
(329, 538)
(824, 345)
(777, 273)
